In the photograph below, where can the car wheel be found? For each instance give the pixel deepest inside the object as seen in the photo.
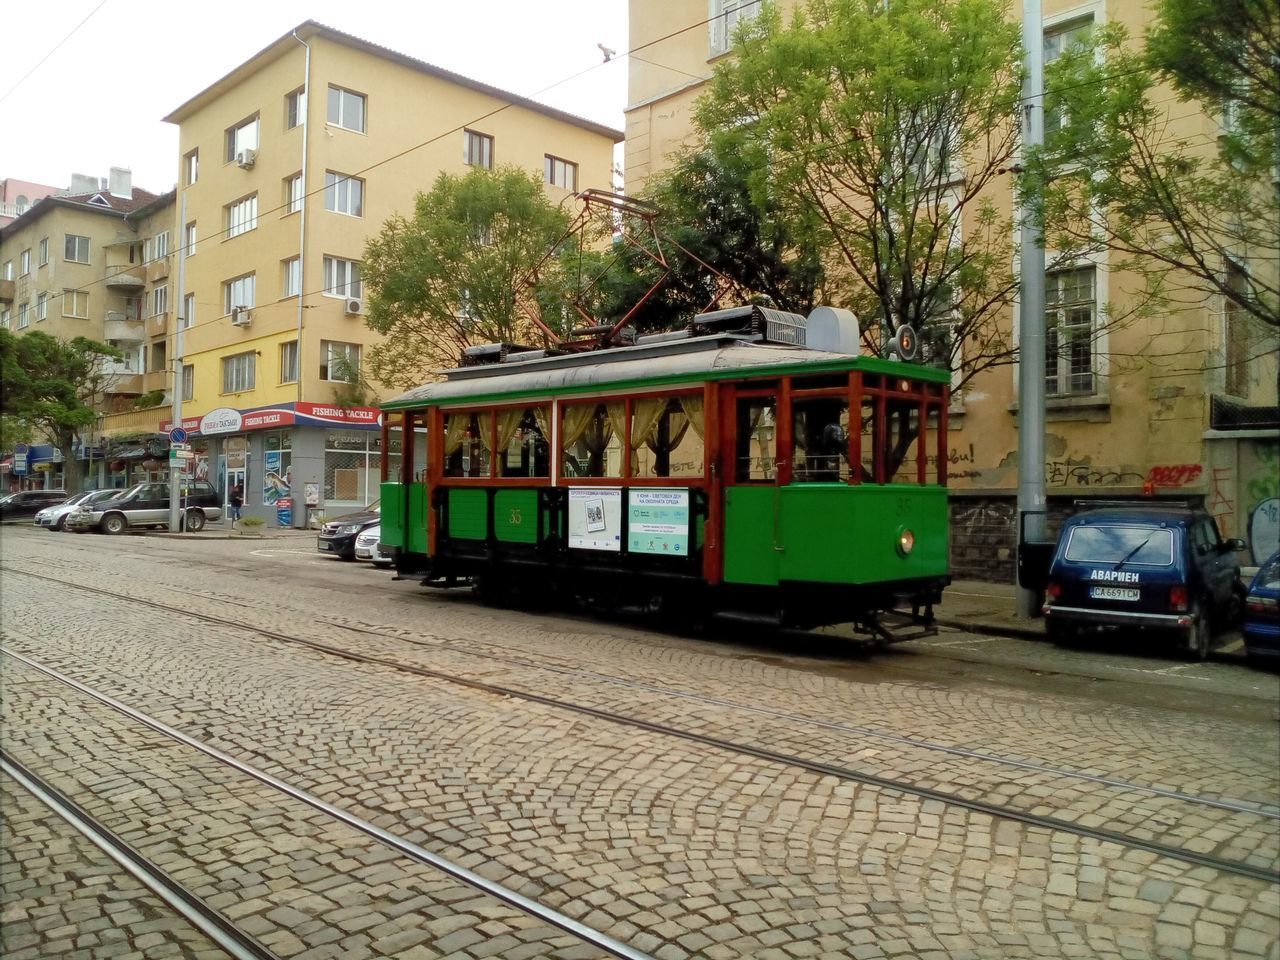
(1234, 612)
(1200, 638)
(61, 525)
(195, 520)
(114, 523)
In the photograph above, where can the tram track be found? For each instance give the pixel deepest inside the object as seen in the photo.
(211, 921)
(896, 785)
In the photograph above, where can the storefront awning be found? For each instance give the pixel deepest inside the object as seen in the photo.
(6, 464)
(128, 453)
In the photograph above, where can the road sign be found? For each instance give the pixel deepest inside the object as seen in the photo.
(177, 435)
(180, 446)
(181, 455)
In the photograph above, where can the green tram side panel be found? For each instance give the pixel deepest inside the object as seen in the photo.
(468, 514)
(418, 508)
(834, 533)
(392, 513)
(515, 516)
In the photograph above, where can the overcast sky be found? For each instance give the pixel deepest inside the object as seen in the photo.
(96, 102)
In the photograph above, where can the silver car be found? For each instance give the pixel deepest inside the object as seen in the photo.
(54, 518)
(147, 505)
(368, 547)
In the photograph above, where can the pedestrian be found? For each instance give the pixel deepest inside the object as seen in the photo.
(236, 500)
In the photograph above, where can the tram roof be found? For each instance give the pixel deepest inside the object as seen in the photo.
(672, 363)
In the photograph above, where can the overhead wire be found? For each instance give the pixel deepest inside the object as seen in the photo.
(52, 51)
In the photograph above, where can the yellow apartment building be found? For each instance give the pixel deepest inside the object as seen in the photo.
(1183, 403)
(287, 165)
(72, 265)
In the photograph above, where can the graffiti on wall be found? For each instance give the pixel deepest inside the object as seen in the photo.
(1078, 473)
(1178, 475)
(1262, 501)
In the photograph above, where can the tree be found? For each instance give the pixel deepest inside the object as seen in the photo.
(886, 128)
(451, 275)
(1124, 171)
(51, 387)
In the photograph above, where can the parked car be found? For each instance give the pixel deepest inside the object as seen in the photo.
(54, 518)
(338, 536)
(147, 505)
(1147, 566)
(1262, 613)
(368, 547)
(27, 503)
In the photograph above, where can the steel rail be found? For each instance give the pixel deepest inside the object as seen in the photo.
(194, 910)
(997, 811)
(412, 850)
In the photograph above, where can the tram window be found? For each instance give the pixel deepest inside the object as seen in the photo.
(467, 436)
(755, 458)
(667, 436)
(867, 445)
(523, 450)
(902, 440)
(820, 437)
(591, 439)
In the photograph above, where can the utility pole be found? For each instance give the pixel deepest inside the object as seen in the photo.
(1031, 335)
(179, 320)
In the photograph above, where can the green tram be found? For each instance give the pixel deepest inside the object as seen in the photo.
(753, 464)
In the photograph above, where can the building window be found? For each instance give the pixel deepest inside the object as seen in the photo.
(1235, 333)
(24, 263)
(23, 319)
(725, 17)
(346, 109)
(188, 318)
(189, 239)
(293, 194)
(160, 300)
(8, 270)
(242, 216)
(42, 306)
(238, 372)
(1070, 310)
(243, 136)
(343, 194)
(291, 284)
(342, 278)
(75, 303)
(1062, 38)
(352, 459)
(339, 361)
(160, 245)
(477, 149)
(188, 381)
(76, 249)
(159, 361)
(560, 173)
(295, 109)
(44, 252)
(238, 292)
(4, 319)
(191, 166)
(289, 362)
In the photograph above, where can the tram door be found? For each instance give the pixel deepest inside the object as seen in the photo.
(751, 491)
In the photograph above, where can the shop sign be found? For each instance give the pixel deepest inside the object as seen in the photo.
(317, 414)
(222, 420)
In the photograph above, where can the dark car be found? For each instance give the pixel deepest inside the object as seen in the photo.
(27, 503)
(147, 505)
(338, 537)
(1262, 613)
(1146, 566)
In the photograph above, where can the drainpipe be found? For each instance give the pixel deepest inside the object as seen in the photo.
(302, 216)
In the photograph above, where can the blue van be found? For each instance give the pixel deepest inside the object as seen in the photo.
(1146, 566)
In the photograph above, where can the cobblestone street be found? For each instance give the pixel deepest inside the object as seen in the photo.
(736, 795)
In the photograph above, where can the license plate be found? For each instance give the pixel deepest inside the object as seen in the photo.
(1114, 593)
(323, 546)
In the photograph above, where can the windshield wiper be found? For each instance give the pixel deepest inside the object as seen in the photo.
(1129, 556)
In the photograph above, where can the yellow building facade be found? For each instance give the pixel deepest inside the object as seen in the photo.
(1182, 402)
(286, 167)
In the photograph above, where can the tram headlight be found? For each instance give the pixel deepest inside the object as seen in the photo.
(906, 541)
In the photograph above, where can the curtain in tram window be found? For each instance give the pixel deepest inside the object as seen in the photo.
(485, 419)
(646, 414)
(455, 429)
(542, 415)
(692, 406)
(617, 418)
(508, 424)
(666, 440)
(577, 417)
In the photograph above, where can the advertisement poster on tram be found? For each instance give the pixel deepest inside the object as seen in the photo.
(658, 521)
(595, 519)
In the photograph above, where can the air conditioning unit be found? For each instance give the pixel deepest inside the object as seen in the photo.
(245, 158)
(241, 316)
(355, 308)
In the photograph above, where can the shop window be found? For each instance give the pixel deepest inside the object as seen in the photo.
(591, 439)
(820, 440)
(667, 436)
(351, 472)
(523, 449)
(755, 458)
(467, 437)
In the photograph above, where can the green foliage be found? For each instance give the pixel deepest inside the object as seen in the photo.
(1132, 174)
(353, 390)
(48, 387)
(878, 128)
(152, 398)
(450, 275)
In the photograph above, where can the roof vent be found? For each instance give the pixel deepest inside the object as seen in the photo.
(486, 353)
(773, 326)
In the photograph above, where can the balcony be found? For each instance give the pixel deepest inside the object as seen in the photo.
(119, 327)
(126, 278)
(158, 270)
(135, 421)
(157, 324)
(6, 291)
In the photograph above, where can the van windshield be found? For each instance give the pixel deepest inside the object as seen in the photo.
(1152, 546)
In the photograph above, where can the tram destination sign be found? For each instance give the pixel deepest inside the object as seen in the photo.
(658, 521)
